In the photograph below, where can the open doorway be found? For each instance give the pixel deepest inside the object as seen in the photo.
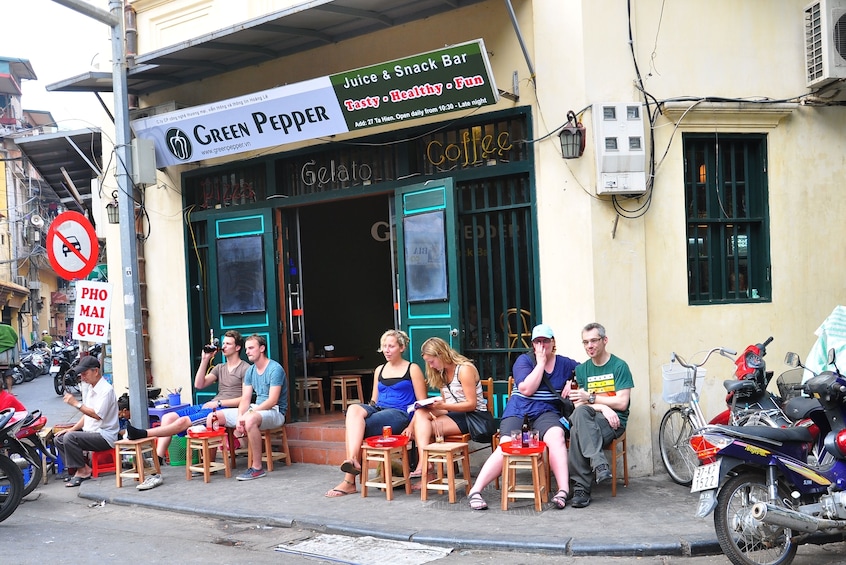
(346, 273)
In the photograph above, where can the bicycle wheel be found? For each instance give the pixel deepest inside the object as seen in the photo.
(674, 443)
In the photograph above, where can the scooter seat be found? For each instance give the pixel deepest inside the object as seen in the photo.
(799, 434)
(740, 386)
(801, 407)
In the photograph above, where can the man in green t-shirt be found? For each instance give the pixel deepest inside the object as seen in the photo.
(602, 410)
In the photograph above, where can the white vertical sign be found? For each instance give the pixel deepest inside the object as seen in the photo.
(93, 307)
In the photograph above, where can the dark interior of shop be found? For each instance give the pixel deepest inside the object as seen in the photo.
(346, 270)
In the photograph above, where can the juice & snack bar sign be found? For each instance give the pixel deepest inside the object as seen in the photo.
(447, 80)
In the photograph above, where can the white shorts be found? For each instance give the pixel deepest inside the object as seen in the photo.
(272, 418)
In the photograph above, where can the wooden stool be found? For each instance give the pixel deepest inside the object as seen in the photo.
(207, 445)
(536, 463)
(311, 387)
(445, 456)
(344, 384)
(268, 455)
(615, 455)
(383, 456)
(230, 440)
(102, 462)
(51, 464)
(137, 448)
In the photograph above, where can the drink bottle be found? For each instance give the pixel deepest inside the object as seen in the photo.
(214, 423)
(525, 436)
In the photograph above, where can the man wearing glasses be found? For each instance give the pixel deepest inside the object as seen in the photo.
(97, 428)
(602, 409)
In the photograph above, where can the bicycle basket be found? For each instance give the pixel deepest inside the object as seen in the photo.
(678, 381)
(786, 382)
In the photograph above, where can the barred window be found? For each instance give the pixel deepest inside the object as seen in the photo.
(726, 203)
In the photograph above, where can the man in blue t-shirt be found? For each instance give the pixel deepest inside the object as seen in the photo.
(267, 378)
(602, 410)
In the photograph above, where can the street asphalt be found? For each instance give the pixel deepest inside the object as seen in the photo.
(652, 516)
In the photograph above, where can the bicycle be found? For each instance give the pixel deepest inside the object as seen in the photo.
(683, 418)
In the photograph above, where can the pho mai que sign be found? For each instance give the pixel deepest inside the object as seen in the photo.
(446, 80)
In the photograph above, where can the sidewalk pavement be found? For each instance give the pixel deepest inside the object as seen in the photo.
(652, 516)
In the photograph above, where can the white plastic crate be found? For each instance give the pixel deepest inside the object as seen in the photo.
(677, 381)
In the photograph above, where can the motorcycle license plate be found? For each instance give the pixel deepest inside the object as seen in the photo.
(706, 477)
(54, 368)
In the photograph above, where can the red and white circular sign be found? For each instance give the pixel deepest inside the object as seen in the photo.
(72, 246)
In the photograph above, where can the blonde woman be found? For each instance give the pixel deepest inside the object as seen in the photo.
(397, 384)
(456, 377)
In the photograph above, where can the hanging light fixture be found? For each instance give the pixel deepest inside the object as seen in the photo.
(112, 209)
(572, 137)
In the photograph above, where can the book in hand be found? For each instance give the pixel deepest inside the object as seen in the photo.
(423, 403)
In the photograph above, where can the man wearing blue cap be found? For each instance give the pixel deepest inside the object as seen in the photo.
(540, 378)
(602, 410)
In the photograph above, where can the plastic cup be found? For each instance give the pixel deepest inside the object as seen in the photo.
(439, 431)
(534, 437)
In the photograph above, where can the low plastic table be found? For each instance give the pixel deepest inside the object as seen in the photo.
(158, 412)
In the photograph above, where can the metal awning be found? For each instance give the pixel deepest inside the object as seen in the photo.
(296, 29)
(77, 152)
(8, 84)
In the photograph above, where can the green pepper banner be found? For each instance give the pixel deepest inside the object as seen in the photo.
(446, 80)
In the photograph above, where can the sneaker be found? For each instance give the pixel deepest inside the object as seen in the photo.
(581, 498)
(151, 482)
(251, 474)
(603, 473)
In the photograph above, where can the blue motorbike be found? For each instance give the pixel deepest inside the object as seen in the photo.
(773, 489)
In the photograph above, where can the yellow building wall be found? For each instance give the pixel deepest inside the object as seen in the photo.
(627, 273)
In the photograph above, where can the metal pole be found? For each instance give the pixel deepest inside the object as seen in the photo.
(128, 238)
(126, 203)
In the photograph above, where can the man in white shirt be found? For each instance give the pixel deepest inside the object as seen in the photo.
(97, 428)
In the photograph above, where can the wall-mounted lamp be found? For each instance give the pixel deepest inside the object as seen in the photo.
(112, 209)
(572, 137)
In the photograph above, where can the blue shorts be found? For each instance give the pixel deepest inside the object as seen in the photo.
(197, 414)
(378, 417)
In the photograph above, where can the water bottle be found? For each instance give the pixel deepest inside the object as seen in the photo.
(525, 436)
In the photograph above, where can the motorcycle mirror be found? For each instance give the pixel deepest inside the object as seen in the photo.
(792, 359)
(831, 358)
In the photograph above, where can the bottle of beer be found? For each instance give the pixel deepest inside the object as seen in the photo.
(574, 383)
(215, 425)
(525, 436)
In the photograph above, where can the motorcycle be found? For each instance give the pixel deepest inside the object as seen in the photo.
(33, 448)
(60, 365)
(11, 476)
(30, 366)
(773, 489)
(747, 396)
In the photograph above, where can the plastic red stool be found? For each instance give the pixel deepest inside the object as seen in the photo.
(102, 462)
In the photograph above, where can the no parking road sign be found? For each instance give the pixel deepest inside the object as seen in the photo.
(72, 246)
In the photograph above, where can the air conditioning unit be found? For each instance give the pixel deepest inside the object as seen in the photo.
(825, 42)
(164, 108)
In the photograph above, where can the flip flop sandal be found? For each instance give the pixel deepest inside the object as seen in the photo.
(477, 502)
(560, 499)
(348, 467)
(76, 481)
